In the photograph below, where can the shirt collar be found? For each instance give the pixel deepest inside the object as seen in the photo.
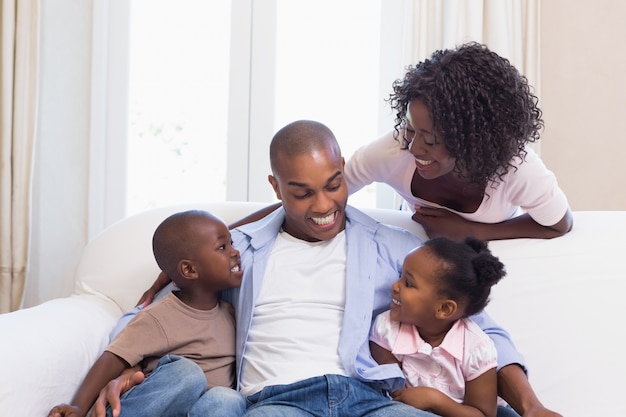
(410, 342)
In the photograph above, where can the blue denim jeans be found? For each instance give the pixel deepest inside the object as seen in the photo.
(327, 396)
(177, 388)
(219, 401)
(506, 411)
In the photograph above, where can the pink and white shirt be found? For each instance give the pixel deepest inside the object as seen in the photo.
(529, 187)
(465, 353)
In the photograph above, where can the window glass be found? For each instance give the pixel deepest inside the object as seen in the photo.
(178, 102)
(326, 68)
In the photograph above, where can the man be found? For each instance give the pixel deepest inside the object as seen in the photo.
(316, 272)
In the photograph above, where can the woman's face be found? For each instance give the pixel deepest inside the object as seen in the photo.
(431, 156)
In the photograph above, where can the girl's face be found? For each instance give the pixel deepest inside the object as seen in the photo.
(431, 156)
(415, 299)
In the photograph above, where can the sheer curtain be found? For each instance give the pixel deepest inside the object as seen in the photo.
(18, 95)
(508, 27)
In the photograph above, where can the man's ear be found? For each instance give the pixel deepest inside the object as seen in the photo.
(274, 184)
(187, 269)
(446, 309)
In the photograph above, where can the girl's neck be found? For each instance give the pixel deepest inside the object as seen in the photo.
(434, 335)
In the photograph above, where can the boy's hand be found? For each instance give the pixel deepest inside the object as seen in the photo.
(66, 410)
(111, 393)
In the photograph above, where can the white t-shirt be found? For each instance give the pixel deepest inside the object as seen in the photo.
(530, 188)
(294, 334)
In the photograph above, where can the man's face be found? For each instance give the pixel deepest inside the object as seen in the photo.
(314, 194)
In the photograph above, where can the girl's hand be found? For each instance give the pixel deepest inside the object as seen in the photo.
(424, 398)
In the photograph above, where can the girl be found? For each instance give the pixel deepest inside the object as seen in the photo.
(448, 361)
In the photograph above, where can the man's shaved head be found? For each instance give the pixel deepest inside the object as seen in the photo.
(302, 137)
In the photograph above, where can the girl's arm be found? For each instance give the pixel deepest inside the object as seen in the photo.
(381, 355)
(480, 398)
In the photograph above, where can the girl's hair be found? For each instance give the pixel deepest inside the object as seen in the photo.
(481, 107)
(469, 271)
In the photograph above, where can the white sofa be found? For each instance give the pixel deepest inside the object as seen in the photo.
(561, 301)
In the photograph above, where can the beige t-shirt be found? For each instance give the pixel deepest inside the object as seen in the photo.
(171, 327)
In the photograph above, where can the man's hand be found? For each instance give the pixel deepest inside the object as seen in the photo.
(148, 296)
(514, 388)
(111, 393)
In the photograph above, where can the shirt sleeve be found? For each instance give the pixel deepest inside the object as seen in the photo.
(507, 353)
(382, 332)
(383, 161)
(482, 357)
(129, 315)
(141, 338)
(123, 322)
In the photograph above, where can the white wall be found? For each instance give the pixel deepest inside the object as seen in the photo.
(583, 96)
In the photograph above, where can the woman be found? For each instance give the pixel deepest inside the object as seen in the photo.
(458, 154)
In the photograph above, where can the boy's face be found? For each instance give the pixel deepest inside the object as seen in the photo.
(218, 264)
(314, 194)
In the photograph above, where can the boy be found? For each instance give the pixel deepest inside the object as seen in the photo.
(191, 327)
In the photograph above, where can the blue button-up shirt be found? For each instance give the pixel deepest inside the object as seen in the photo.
(374, 257)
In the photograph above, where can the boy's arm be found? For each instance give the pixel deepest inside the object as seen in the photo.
(111, 393)
(107, 367)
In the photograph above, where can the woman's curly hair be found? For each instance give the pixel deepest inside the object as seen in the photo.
(481, 107)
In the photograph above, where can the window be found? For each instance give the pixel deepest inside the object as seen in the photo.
(209, 83)
(178, 95)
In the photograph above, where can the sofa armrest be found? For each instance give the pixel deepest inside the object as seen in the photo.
(47, 350)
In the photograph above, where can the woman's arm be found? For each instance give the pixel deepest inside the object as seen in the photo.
(441, 222)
